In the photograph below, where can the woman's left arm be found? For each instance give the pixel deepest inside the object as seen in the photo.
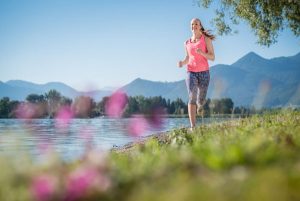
(210, 50)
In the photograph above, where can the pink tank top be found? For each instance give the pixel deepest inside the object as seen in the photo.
(197, 62)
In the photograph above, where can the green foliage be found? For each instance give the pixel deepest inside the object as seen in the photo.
(222, 106)
(7, 107)
(85, 107)
(35, 98)
(53, 98)
(144, 105)
(266, 18)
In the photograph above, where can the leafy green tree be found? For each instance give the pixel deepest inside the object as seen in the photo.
(12, 107)
(221, 106)
(94, 112)
(4, 107)
(66, 101)
(237, 110)
(53, 98)
(179, 106)
(266, 18)
(40, 102)
(132, 107)
(227, 105)
(143, 104)
(101, 105)
(7, 107)
(35, 98)
(206, 108)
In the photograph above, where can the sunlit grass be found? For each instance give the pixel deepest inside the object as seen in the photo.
(256, 158)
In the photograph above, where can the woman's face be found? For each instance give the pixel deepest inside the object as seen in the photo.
(195, 25)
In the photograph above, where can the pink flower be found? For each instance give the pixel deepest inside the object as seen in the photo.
(26, 111)
(156, 118)
(84, 179)
(64, 116)
(79, 181)
(137, 126)
(43, 187)
(65, 113)
(116, 104)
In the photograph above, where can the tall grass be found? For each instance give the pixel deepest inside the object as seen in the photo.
(256, 158)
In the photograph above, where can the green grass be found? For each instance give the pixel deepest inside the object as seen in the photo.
(256, 158)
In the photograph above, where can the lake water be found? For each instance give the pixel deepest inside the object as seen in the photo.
(36, 136)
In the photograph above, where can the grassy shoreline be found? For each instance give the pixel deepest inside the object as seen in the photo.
(255, 158)
(246, 159)
(163, 135)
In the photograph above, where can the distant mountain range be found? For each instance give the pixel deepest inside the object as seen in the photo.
(19, 90)
(252, 80)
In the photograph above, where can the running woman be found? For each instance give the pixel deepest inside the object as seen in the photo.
(199, 49)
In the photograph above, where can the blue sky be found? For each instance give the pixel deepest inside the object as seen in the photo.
(91, 44)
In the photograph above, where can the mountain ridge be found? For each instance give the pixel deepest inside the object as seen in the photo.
(274, 82)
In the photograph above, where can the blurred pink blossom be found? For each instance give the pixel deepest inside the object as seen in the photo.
(78, 183)
(43, 187)
(137, 126)
(65, 113)
(156, 118)
(84, 179)
(64, 116)
(116, 104)
(26, 110)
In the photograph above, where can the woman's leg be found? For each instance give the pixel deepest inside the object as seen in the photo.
(192, 114)
(204, 78)
(192, 86)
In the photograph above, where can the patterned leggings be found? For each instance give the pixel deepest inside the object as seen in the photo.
(197, 85)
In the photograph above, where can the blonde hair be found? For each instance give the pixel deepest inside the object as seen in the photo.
(205, 32)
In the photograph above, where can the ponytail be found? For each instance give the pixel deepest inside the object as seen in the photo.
(207, 33)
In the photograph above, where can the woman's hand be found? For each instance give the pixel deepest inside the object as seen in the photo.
(210, 52)
(180, 64)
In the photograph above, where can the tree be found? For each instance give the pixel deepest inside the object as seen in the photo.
(4, 107)
(221, 106)
(83, 106)
(101, 105)
(66, 101)
(265, 17)
(227, 105)
(132, 107)
(206, 108)
(53, 97)
(40, 103)
(7, 107)
(179, 106)
(35, 98)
